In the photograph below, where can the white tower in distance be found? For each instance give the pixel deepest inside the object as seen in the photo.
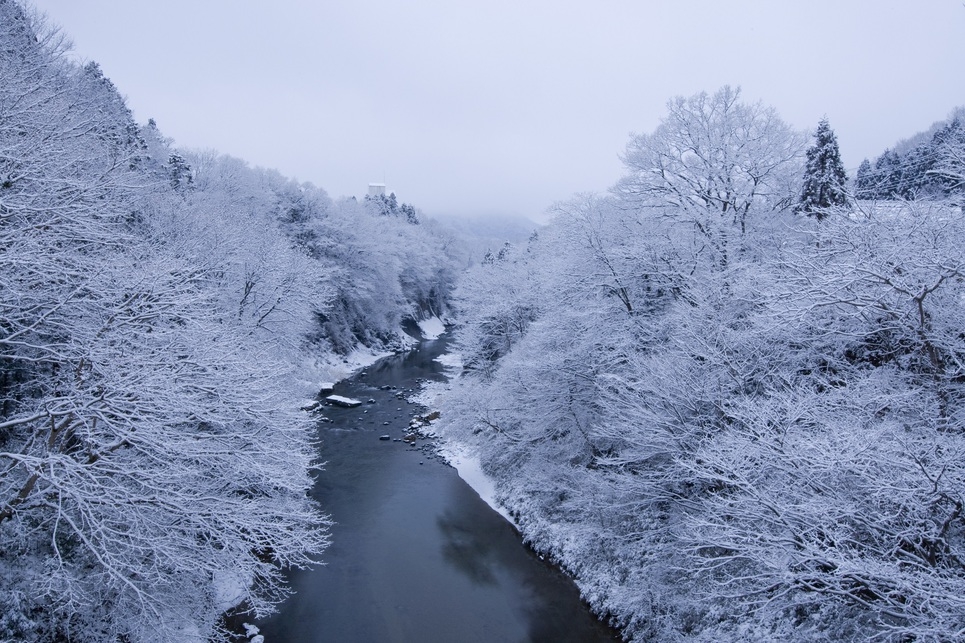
(376, 189)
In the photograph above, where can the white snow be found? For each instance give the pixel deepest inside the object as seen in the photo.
(343, 401)
(466, 465)
(362, 357)
(428, 394)
(451, 361)
(470, 470)
(431, 328)
(229, 590)
(333, 368)
(252, 632)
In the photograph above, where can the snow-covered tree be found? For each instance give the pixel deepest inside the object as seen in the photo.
(825, 181)
(154, 468)
(950, 158)
(758, 448)
(498, 303)
(715, 163)
(837, 487)
(920, 170)
(864, 181)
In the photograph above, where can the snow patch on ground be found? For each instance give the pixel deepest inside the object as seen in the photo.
(406, 341)
(458, 456)
(334, 368)
(362, 357)
(470, 470)
(322, 372)
(452, 361)
(428, 394)
(430, 391)
(432, 328)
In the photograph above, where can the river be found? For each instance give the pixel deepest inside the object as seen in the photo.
(416, 555)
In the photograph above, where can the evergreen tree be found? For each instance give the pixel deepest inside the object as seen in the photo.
(824, 175)
(179, 171)
(409, 213)
(947, 145)
(887, 174)
(864, 181)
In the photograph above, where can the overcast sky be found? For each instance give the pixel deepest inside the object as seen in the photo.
(505, 106)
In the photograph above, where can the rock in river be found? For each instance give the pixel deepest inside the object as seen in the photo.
(347, 402)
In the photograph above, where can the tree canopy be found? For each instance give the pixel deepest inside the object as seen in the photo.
(923, 171)
(730, 423)
(163, 314)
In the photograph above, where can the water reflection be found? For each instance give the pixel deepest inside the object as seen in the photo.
(479, 544)
(465, 550)
(416, 554)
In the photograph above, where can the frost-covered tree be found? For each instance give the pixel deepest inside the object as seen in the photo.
(180, 172)
(160, 313)
(825, 181)
(152, 476)
(920, 169)
(498, 303)
(838, 489)
(761, 448)
(716, 163)
(950, 158)
(888, 175)
(863, 181)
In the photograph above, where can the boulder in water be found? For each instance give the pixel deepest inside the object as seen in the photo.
(347, 402)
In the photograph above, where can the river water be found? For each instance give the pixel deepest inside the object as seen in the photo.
(416, 555)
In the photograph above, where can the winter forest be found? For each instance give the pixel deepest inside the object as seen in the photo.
(161, 316)
(727, 397)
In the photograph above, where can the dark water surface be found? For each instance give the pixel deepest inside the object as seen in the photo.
(416, 556)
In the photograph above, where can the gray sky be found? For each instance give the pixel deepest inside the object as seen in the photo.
(497, 106)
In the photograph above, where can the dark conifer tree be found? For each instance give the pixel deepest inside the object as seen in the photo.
(824, 175)
(864, 181)
(946, 146)
(180, 174)
(409, 213)
(887, 175)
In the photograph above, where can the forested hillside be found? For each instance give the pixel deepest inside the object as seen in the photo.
(727, 396)
(733, 410)
(162, 313)
(913, 169)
